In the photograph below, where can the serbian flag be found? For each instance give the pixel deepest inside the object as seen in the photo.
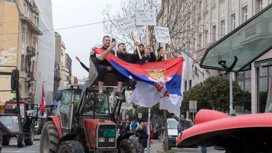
(156, 81)
(42, 105)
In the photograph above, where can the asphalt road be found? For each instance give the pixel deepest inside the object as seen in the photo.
(12, 148)
(155, 147)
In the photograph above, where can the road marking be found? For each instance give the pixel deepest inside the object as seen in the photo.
(28, 148)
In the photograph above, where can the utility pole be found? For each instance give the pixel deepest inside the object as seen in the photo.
(230, 73)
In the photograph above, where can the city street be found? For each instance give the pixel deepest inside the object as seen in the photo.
(12, 148)
(155, 148)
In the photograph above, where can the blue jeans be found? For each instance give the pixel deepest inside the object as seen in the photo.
(203, 149)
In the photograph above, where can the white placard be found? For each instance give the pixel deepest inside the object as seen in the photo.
(127, 24)
(162, 34)
(140, 115)
(145, 17)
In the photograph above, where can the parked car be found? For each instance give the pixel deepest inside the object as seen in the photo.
(173, 124)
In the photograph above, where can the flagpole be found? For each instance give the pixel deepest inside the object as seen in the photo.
(148, 126)
(165, 113)
(149, 110)
(137, 47)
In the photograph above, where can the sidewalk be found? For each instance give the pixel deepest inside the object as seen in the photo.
(157, 147)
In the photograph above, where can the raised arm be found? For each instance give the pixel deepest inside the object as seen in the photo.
(103, 56)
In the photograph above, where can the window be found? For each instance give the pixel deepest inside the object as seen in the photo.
(206, 37)
(35, 42)
(233, 21)
(244, 11)
(200, 40)
(259, 5)
(214, 33)
(190, 84)
(185, 85)
(23, 35)
(223, 28)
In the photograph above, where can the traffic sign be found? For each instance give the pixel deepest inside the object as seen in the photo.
(192, 106)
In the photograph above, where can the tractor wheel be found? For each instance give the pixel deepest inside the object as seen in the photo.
(6, 140)
(138, 146)
(127, 146)
(49, 138)
(29, 136)
(20, 140)
(1, 140)
(70, 146)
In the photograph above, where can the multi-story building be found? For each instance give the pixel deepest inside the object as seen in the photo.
(46, 52)
(19, 31)
(58, 47)
(65, 66)
(213, 20)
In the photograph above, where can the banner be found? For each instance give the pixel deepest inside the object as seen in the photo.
(127, 24)
(145, 17)
(162, 34)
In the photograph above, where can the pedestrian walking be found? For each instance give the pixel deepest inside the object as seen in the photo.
(142, 134)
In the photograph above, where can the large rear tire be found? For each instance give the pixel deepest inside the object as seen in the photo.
(70, 146)
(127, 146)
(29, 136)
(6, 140)
(138, 146)
(49, 138)
(20, 140)
(1, 140)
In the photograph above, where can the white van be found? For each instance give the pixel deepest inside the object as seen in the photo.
(173, 129)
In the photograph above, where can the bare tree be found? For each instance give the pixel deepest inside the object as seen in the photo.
(184, 18)
(128, 7)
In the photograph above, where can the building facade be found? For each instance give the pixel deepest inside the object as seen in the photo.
(19, 29)
(57, 69)
(46, 52)
(65, 66)
(213, 21)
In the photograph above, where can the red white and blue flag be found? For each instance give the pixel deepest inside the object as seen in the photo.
(156, 81)
(43, 102)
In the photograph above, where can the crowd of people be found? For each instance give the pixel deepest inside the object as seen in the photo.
(104, 67)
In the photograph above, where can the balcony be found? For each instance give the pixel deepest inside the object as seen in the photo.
(34, 28)
(30, 52)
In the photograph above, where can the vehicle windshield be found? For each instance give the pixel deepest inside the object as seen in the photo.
(185, 124)
(91, 99)
(247, 42)
(172, 124)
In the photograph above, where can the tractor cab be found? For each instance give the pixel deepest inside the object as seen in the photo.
(237, 134)
(16, 119)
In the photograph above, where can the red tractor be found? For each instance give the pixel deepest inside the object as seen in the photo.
(86, 126)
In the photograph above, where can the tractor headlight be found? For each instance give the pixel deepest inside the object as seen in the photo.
(101, 139)
(111, 139)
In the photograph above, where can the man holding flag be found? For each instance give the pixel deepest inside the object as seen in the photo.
(43, 102)
(156, 81)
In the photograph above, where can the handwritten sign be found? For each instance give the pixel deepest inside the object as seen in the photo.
(127, 24)
(162, 34)
(145, 17)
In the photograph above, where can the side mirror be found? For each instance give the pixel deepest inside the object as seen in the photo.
(14, 83)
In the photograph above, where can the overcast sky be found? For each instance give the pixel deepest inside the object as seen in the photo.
(79, 41)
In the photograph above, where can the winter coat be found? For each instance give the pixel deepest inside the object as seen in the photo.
(141, 133)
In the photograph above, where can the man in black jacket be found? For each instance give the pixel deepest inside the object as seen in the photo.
(103, 66)
(130, 58)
